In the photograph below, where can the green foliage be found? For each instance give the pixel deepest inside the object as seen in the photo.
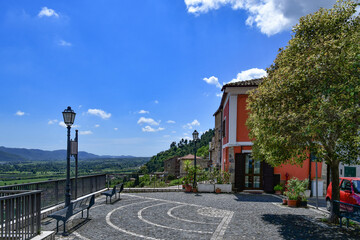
(310, 99)
(203, 151)
(296, 188)
(278, 188)
(182, 148)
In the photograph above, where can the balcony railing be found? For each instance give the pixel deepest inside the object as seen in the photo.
(20, 214)
(53, 192)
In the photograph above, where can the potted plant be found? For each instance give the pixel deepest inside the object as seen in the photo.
(293, 192)
(223, 181)
(205, 184)
(303, 202)
(278, 189)
(284, 201)
(218, 190)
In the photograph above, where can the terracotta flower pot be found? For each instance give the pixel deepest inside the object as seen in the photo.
(195, 190)
(188, 188)
(218, 190)
(278, 192)
(285, 202)
(291, 203)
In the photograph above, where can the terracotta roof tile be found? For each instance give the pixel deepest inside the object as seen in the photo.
(246, 83)
(190, 157)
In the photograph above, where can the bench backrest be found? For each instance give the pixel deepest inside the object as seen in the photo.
(113, 191)
(121, 187)
(86, 202)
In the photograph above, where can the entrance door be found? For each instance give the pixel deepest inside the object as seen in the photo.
(253, 173)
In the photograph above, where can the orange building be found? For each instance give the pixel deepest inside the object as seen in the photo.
(248, 173)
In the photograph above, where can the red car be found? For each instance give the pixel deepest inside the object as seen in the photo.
(349, 191)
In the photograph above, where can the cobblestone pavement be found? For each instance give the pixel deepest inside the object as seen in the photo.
(179, 215)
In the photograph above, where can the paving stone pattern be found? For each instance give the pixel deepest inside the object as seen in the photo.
(178, 215)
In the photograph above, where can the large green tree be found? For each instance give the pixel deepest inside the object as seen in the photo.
(310, 100)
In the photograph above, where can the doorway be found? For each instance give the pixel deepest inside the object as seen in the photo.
(248, 172)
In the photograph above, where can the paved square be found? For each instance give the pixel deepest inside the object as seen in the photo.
(179, 215)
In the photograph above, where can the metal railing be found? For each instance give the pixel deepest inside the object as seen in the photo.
(154, 180)
(53, 192)
(20, 214)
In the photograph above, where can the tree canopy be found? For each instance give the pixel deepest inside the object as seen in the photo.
(310, 100)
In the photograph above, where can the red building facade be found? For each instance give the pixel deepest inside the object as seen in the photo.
(248, 173)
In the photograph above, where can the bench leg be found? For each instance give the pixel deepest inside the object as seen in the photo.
(57, 226)
(82, 214)
(64, 232)
(87, 213)
(341, 222)
(347, 223)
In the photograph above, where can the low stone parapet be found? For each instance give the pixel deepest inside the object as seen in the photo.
(132, 190)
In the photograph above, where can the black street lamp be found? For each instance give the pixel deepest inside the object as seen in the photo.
(69, 118)
(195, 138)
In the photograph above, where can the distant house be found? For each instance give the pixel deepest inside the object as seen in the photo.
(200, 162)
(172, 166)
(233, 147)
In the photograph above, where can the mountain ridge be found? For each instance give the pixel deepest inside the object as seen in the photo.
(25, 154)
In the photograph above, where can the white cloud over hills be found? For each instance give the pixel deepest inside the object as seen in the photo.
(99, 113)
(150, 129)
(149, 121)
(213, 80)
(249, 74)
(48, 12)
(192, 124)
(270, 16)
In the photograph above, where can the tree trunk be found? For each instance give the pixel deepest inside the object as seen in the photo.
(335, 195)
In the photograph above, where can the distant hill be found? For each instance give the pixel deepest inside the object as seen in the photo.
(23, 154)
(7, 157)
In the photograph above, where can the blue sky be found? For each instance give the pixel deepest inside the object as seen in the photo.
(139, 74)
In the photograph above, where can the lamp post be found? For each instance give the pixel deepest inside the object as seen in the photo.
(195, 138)
(69, 117)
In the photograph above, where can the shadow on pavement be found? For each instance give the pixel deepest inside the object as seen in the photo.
(300, 227)
(255, 198)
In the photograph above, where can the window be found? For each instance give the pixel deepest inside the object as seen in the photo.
(350, 171)
(312, 157)
(223, 129)
(345, 185)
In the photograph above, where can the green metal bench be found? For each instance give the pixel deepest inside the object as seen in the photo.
(346, 210)
(75, 207)
(112, 192)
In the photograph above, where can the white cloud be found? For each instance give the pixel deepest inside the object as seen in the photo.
(270, 16)
(171, 121)
(52, 121)
(88, 132)
(65, 44)
(156, 101)
(213, 80)
(166, 136)
(115, 129)
(99, 113)
(173, 132)
(97, 125)
(150, 129)
(150, 121)
(48, 12)
(219, 94)
(249, 74)
(192, 124)
(143, 112)
(62, 124)
(20, 113)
